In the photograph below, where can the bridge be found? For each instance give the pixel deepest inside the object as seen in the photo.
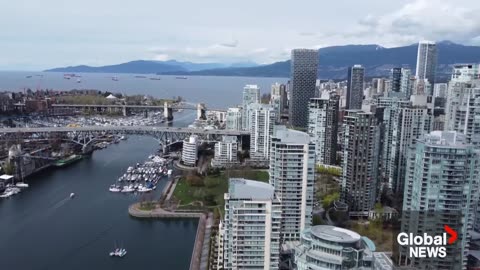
(86, 135)
(126, 109)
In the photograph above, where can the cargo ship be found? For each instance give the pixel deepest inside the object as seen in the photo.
(67, 161)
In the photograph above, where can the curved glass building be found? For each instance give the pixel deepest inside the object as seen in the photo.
(328, 247)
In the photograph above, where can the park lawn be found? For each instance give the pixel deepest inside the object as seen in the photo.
(381, 235)
(211, 194)
(183, 192)
(257, 175)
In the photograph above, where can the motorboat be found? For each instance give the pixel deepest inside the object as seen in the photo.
(72, 195)
(13, 190)
(119, 252)
(6, 194)
(114, 188)
(21, 185)
(127, 189)
(144, 189)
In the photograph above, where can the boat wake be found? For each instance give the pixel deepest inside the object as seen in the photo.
(75, 250)
(60, 203)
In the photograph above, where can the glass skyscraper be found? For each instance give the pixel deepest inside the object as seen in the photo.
(426, 61)
(304, 68)
(355, 78)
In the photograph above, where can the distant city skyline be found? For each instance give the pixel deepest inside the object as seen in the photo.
(54, 33)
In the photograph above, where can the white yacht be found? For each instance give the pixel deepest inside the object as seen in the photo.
(143, 189)
(6, 194)
(22, 185)
(114, 188)
(128, 189)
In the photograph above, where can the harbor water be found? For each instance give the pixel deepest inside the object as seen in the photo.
(216, 92)
(43, 228)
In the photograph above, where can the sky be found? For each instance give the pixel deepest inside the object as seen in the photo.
(41, 34)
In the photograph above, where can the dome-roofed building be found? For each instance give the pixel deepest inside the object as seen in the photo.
(330, 247)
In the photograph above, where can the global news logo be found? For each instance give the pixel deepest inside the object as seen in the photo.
(428, 246)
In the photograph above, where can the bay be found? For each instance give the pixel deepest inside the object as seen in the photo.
(216, 92)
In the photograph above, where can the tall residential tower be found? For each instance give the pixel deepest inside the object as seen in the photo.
(292, 173)
(426, 61)
(355, 87)
(323, 126)
(304, 68)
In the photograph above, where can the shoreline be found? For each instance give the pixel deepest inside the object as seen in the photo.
(203, 228)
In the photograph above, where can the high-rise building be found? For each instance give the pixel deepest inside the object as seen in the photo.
(304, 68)
(262, 121)
(404, 123)
(355, 87)
(426, 61)
(190, 151)
(440, 90)
(405, 82)
(226, 152)
(421, 87)
(466, 72)
(251, 226)
(462, 112)
(463, 109)
(325, 247)
(292, 173)
(441, 188)
(278, 99)
(251, 94)
(361, 143)
(323, 126)
(234, 119)
(396, 79)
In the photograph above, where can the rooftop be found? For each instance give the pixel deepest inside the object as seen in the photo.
(290, 136)
(335, 234)
(6, 177)
(445, 138)
(241, 188)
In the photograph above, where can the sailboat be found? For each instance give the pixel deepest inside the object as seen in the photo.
(118, 252)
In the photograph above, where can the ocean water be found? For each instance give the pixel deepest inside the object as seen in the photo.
(216, 92)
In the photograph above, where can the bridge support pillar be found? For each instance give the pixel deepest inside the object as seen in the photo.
(87, 148)
(167, 112)
(201, 111)
(125, 111)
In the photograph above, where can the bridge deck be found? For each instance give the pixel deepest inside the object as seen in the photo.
(125, 129)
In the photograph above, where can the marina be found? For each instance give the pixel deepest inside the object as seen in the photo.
(142, 177)
(86, 226)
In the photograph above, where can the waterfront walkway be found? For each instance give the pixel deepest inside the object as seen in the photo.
(135, 211)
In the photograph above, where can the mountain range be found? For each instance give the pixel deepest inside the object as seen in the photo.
(334, 62)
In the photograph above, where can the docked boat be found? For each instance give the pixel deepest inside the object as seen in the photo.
(21, 185)
(6, 194)
(14, 190)
(127, 189)
(114, 188)
(67, 161)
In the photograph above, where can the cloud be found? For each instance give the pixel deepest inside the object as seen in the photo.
(231, 44)
(307, 34)
(215, 52)
(425, 19)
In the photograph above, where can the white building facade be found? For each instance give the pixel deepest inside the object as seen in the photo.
(292, 173)
(251, 226)
(190, 151)
(226, 153)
